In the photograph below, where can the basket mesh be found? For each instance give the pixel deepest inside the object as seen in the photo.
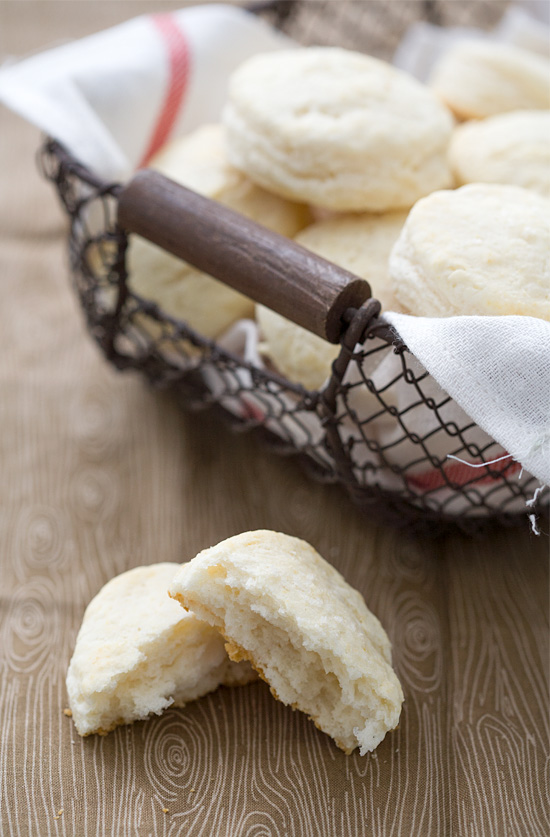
(375, 26)
(381, 427)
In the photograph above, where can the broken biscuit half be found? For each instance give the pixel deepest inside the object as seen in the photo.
(309, 635)
(137, 652)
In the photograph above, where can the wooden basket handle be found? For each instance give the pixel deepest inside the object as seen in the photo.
(265, 266)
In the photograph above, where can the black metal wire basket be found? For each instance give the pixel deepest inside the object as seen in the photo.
(381, 427)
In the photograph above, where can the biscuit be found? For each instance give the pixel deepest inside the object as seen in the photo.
(482, 78)
(137, 652)
(337, 129)
(304, 629)
(482, 249)
(199, 162)
(358, 243)
(509, 148)
(297, 354)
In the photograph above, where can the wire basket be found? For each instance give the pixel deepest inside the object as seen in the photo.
(381, 427)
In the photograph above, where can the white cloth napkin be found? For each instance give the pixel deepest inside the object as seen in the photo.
(112, 97)
(498, 370)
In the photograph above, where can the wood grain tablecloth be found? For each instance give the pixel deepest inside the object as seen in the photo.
(99, 475)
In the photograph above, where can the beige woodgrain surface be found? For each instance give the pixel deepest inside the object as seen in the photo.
(99, 474)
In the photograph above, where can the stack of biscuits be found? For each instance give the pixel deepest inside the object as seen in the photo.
(437, 195)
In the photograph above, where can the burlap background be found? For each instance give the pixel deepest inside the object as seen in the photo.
(99, 475)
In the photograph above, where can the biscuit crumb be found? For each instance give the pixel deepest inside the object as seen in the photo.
(192, 790)
(68, 713)
(60, 812)
(165, 810)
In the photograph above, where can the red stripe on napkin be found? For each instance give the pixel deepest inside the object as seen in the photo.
(178, 67)
(461, 474)
(249, 410)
